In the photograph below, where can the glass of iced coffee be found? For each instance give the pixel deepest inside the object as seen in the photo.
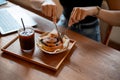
(26, 39)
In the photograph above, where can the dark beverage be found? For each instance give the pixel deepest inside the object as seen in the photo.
(26, 38)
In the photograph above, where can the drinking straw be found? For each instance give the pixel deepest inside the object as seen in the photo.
(23, 24)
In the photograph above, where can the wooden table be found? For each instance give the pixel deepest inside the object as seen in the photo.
(88, 60)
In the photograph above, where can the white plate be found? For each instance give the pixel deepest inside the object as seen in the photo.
(65, 45)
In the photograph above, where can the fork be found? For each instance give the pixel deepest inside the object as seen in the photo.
(64, 31)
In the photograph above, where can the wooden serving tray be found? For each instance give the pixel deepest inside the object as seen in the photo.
(50, 61)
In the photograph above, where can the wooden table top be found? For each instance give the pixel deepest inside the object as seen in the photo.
(88, 60)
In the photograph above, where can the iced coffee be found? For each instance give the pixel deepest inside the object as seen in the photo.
(26, 39)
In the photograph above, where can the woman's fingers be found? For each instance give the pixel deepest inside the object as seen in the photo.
(50, 10)
(54, 14)
(43, 8)
(73, 17)
(77, 15)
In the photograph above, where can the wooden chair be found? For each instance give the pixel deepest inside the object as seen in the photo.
(112, 5)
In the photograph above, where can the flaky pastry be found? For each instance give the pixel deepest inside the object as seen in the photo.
(51, 42)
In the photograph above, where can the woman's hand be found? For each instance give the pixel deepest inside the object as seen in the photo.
(47, 7)
(79, 13)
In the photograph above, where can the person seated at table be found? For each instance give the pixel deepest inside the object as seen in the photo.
(88, 27)
(112, 17)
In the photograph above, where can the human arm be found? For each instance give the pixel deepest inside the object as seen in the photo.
(79, 13)
(111, 17)
(47, 7)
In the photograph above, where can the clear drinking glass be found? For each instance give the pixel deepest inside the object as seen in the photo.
(26, 39)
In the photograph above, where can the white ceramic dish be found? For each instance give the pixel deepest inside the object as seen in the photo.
(65, 46)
